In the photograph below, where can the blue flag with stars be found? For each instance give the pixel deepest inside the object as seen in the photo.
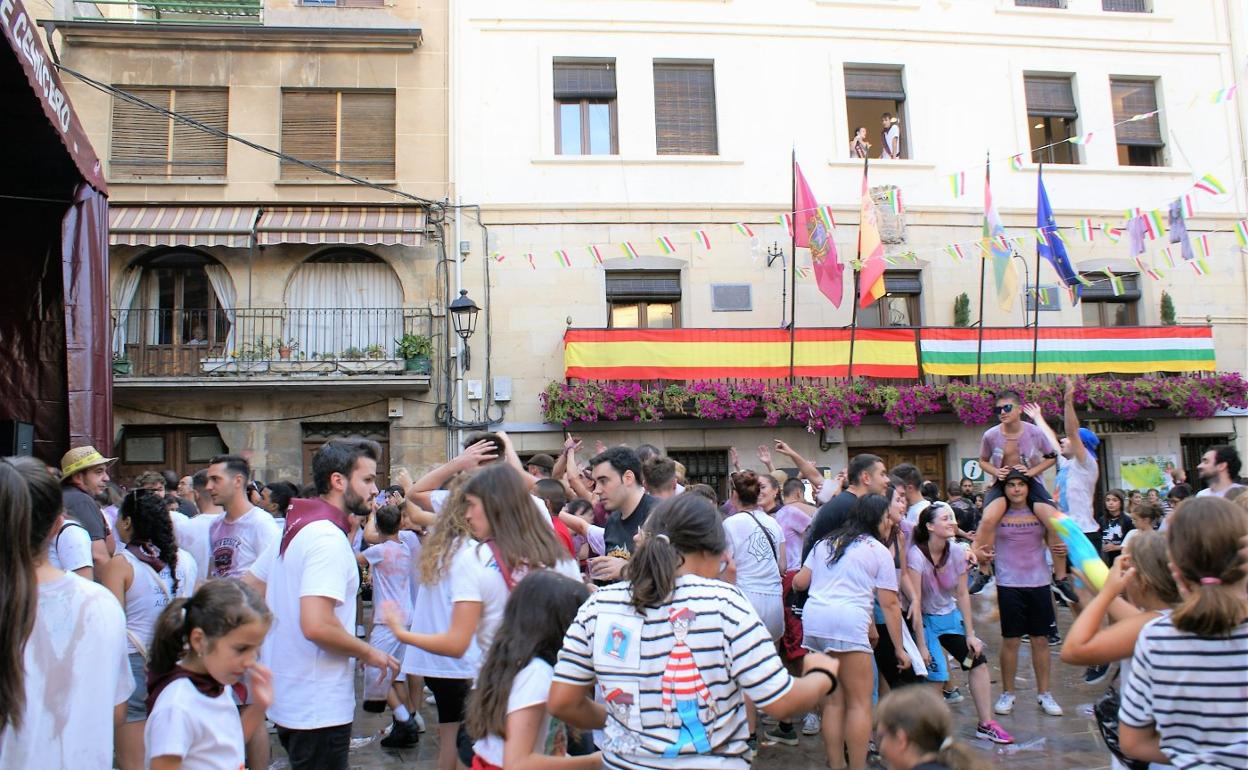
(1055, 249)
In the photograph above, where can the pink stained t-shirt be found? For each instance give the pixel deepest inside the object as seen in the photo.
(793, 523)
(1020, 551)
(939, 586)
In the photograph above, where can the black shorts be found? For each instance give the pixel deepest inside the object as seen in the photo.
(1025, 611)
(449, 695)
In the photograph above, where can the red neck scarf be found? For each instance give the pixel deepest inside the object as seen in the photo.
(304, 511)
(204, 683)
(146, 553)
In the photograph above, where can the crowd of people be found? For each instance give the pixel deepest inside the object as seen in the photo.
(603, 611)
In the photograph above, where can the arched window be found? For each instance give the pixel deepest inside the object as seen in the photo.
(342, 303)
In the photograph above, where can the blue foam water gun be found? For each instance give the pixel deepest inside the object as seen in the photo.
(1080, 553)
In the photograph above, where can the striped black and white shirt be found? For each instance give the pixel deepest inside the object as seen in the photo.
(627, 655)
(1195, 690)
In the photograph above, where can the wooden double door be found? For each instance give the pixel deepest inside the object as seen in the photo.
(929, 459)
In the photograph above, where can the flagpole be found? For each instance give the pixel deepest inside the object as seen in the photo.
(983, 263)
(853, 319)
(1035, 336)
(793, 256)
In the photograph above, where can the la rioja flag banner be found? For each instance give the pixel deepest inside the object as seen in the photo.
(1002, 256)
(811, 232)
(870, 250)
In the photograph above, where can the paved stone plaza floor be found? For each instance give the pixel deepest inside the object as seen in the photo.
(1042, 742)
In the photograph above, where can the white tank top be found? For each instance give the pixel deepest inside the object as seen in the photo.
(146, 598)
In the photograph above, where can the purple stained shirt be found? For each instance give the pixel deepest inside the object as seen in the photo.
(793, 522)
(1021, 547)
(1032, 445)
(939, 589)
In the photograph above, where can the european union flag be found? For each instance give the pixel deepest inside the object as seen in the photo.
(1055, 250)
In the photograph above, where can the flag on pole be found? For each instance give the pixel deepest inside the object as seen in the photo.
(1115, 283)
(564, 259)
(703, 238)
(813, 233)
(1055, 251)
(744, 229)
(958, 183)
(870, 250)
(595, 253)
(1199, 266)
(1112, 234)
(1002, 259)
(1041, 236)
(1210, 184)
(1016, 162)
(1241, 232)
(629, 250)
(1085, 230)
(529, 256)
(1223, 94)
(665, 244)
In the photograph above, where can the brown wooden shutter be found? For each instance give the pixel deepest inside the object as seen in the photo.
(874, 83)
(584, 80)
(1050, 96)
(309, 131)
(140, 136)
(196, 152)
(1136, 97)
(684, 109)
(368, 134)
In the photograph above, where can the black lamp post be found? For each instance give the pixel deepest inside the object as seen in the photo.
(464, 317)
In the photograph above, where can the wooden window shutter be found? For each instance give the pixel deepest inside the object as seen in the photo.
(684, 109)
(1050, 96)
(874, 83)
(368, 134)
(140, 136)
(309, 131)
(196, 152)
(643, 285)
(584, 80)
(1136, 97)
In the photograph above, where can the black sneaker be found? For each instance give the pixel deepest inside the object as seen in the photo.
(1096, 674)
(777, 734)
(403, 735)
(979, 581)
(1054, 638)
(1064, 592)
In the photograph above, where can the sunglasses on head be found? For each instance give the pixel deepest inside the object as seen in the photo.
(1003, 409)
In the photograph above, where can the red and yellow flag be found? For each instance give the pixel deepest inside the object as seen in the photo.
(870, 251)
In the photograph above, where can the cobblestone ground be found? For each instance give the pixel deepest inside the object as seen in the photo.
(1042, 742)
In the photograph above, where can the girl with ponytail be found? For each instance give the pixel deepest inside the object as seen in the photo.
(914, 731)
(60, 634)
(677, 650)
(202, 647)
(1185, 701)
(146, 576)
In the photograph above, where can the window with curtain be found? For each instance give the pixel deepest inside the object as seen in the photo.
(1140, 142)
(1051, 118)
(341, 303)
(178, 298)
(643, 299)
(875, 95)
(145, 143)
(351, 132)
(585, 119)
(900, 305)
(684, 108)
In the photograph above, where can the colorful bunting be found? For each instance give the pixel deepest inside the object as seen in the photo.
(1154, 224)
(958, 183)
(744, 229)
(1112, 234)
(1189, 206)
(630, 251)
(1241, 232)
(1085, 230)
(1199, 266)
(1210, 184)
(498, 256)
(1223, 94)
(702, 237)
(1146, 270)
(1203, 247)
(1041, 237)
(785, 221)
(1169, 255)
(1115, 282)
(1016, 162)
(564, 259)
(955, 251)
(665, 244)
(1083, 279)
(1082, 138)
(829, 221)
(595, 253)
(1141, 116)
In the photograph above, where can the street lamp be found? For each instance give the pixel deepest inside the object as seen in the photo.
(464, 317)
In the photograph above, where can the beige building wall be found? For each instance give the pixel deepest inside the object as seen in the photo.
(778, 87)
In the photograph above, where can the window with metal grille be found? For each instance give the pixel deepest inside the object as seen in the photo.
(1127, 6)
(708, 467)
(351, 132)
(638, 299)
(900, 305)
(1051, 117)
(585, 119)
(684, 108)
(1140, 142)
(875, 95)
(1102, 307)
(1040, 3)
(730, 297)
(145, 143)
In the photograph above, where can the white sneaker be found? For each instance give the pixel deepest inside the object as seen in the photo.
(420, 721)
(1005, 704)
(1047, 703)
(811, 724)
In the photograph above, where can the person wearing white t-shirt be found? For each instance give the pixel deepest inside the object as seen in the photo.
(756, 544)
(890, 137)
(65, 635)
(71, 550)
(1219, 468)
(310, 581)
(245, 531)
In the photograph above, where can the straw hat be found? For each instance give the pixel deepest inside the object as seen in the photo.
(80, 458)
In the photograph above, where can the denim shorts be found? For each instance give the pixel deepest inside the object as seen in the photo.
(136, 707)
(824, 644)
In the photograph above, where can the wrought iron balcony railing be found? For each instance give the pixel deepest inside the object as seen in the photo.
(243, 12)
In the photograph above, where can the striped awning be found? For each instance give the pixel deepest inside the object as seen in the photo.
(691, 354)
(164, 225)
(362, 225)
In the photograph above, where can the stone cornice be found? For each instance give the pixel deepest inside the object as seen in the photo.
(226, 37)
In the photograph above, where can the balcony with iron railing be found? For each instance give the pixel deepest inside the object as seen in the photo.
(291, 345)
(215, 12)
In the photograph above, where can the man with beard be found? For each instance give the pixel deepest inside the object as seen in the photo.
(310, 582)
(1219, 469)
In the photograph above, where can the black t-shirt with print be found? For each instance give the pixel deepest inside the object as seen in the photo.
(618, 533)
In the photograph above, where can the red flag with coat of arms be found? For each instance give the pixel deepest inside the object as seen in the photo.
(810, 231)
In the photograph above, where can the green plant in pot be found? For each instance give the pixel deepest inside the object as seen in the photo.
(121, 365)
(416, 350)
